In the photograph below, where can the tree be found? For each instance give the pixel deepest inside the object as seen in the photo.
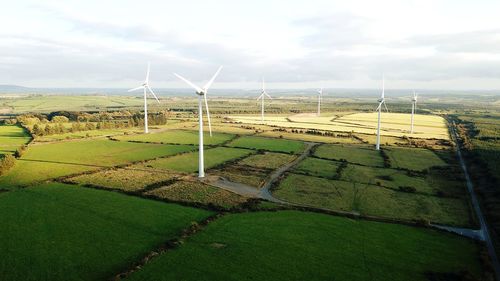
(60, 119)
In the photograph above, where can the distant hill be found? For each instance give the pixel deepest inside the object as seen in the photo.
(13, 88)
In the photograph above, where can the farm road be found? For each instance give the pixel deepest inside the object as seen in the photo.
(477, 208)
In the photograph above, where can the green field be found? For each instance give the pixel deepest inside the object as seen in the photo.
(188, 162)
(12, 137)
(127, 179)
(84, 134)
(248, 175)
(197, 192)
(42, 162)
(317, 167)
(372, 200)
(270, 144)
(413, 158)
(59, 232)
(268, 160)
(390, 178)
(363, 155)
(267, 246)
(178, 137)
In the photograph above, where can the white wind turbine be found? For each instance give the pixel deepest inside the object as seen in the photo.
(379, 108)
(413, 109)
(145, 87)
(201, 92)
(320, 96)
(261, 97)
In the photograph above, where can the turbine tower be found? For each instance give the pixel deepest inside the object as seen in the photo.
(202, 94)
(261, 97)
(413, 109)
(320, 96)
(379, 108)
(146, 88)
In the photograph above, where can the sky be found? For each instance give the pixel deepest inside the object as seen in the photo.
(424, 44)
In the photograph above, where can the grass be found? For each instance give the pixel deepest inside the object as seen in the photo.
(188, 191)
(268, 160)
(178, 137)
(71, 233)
(390, 178)
(42, 162)
(84, 134)
(308, 137)
(372, 200)
(270, 144)
(123, 179)
(317, 167)
(242, 174)
(12, 137)
(188, 162)
(266, 246)
(354, 154)
(416, 159)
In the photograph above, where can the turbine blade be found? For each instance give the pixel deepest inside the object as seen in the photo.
(267, 95)
(153, 93)
(198, 89)
(385, 107)
(263, 85)
(135, 89)
(208, 115)
(147, 73)
(260, 97)
(378, 107)
(209, 83)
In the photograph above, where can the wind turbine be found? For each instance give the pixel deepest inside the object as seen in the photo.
(413, 109)
(146, 88)
(201, 92)
(320, 96)
(379, 108)
(261, 97)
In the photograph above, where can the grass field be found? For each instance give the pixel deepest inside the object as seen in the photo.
(317, 167)
(42, 162)
(127, 179)
(251, 176)
(188, 191)
(268, 160)
(372, 200)
(188, 162)
(12, 137)
(270, 144)
(413, 158)
(59, 232)
(266, 246)
(85, 134)
(178, 137)
(49, 103)
(387, 177)
(363, 155)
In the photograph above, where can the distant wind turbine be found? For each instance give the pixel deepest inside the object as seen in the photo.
(261, 97)
(146, 88)
(413, 109)
(320, 96)
(379, 108)
(201, 92)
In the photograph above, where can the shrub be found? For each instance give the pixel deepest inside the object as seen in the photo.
(385, 177)
(20, 151)
(409, 189)
(6, 163)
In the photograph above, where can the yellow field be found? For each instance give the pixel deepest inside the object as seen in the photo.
(393, 124)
